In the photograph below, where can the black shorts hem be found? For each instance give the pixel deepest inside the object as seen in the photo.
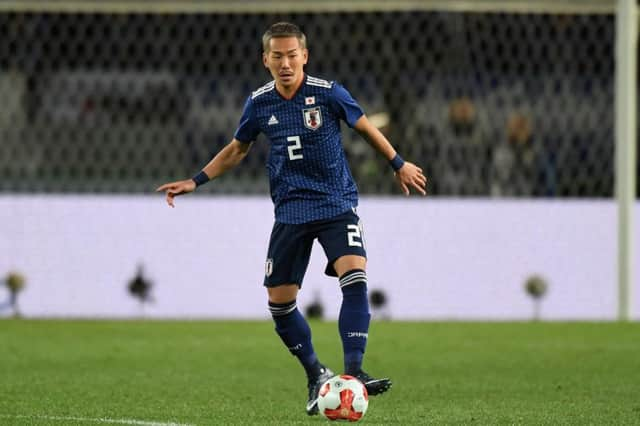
(268, 285)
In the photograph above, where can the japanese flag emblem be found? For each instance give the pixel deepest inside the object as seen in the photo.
(310, 100)
(312, 118)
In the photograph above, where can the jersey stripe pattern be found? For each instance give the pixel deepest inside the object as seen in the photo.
(309, 175)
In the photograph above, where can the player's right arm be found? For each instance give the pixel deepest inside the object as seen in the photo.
(228, 157)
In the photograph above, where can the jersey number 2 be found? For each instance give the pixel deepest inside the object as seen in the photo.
(297, 145)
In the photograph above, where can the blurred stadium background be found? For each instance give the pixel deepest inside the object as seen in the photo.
(492, 104)
(510, 106)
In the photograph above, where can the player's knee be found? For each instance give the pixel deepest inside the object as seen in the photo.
(349, 262)
(282, 293)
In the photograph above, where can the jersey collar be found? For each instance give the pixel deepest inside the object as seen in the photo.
(304, 81)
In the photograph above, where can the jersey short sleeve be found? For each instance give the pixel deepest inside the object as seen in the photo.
(248, 128)
(345, 106)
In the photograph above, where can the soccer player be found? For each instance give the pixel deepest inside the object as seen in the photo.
(314, 196)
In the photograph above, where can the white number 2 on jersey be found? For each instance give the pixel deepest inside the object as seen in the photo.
(297, 145)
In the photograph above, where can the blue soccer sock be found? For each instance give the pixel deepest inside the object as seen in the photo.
(294, 331)
(353, 321)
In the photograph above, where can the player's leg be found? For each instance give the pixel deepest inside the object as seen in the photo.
(292, 327)
(353, 321)
(343, 242)
(287, 260)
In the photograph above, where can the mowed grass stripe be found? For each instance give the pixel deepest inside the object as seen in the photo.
(209, 373)
(88, 420)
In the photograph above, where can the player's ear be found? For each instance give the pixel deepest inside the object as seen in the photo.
(305, 56)
(264, 60)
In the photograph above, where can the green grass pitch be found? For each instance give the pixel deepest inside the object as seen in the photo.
(225, 373)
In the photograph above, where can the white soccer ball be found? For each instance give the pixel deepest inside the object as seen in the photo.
(343, 398)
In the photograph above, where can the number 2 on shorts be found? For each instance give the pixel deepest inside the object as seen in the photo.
(353, 235)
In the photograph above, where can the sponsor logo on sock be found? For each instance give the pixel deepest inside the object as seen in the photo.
(296, 347)
(357, 334)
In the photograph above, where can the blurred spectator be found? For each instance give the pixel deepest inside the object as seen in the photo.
(464, 152)
(515, 160)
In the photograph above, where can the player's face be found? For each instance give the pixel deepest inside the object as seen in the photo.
(285, 60)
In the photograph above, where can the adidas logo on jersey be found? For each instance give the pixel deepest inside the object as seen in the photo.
(273, 120)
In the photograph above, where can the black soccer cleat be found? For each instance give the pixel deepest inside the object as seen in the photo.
(314, 388)
(374, 386)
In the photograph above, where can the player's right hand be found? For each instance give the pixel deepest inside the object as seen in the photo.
(174, 189)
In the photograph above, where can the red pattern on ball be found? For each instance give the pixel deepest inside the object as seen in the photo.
(345, 410)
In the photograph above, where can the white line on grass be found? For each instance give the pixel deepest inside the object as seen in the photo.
(94, 420)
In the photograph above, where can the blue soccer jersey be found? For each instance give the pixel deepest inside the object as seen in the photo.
(308, 172)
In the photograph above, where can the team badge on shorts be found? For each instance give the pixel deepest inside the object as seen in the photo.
(268, 267)
(312, 118)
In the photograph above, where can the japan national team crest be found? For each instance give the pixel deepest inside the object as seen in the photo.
(268, 267)
(312, 118)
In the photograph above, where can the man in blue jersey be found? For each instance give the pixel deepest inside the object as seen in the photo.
(314, 196)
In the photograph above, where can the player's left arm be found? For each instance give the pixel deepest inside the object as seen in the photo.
(407, 174)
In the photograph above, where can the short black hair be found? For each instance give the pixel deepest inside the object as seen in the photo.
(281, 30)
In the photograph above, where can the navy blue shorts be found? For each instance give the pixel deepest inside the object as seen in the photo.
(290, 247)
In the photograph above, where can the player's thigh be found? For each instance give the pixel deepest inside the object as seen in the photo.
(287, 257)
(342, 238)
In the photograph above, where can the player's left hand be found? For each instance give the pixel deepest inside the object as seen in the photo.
(411, 175)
